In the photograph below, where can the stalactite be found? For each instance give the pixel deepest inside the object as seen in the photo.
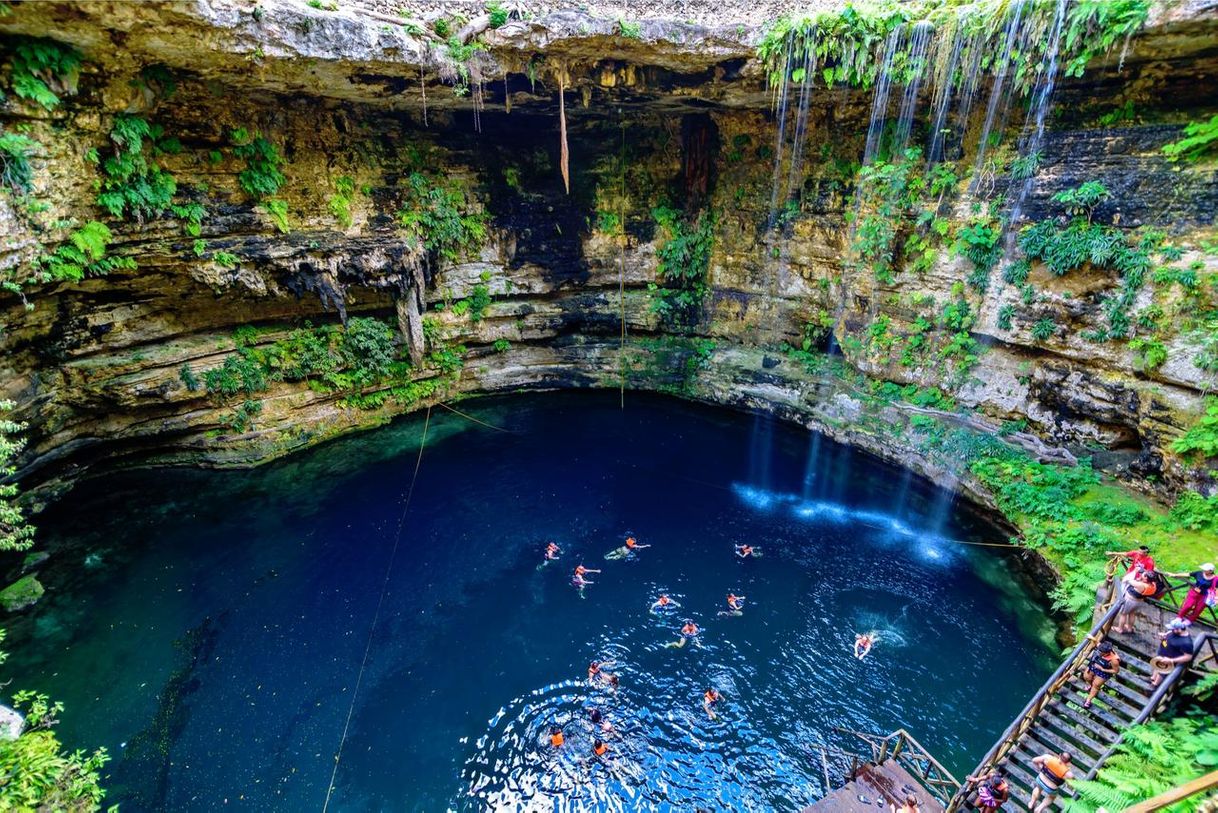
(562, 132)
(423, 85)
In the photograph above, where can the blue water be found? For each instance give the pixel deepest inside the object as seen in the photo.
(208, 627)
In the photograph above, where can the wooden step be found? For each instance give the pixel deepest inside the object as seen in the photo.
(1072, 734)
(1077, 718)
(1028, 747)
(1051, 742)
(1112, 702)
(1099, 715)
(1136, 693)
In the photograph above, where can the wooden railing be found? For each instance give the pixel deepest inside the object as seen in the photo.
(1026, 718)
(901, 747)
(1200, 785)
(1172, 598)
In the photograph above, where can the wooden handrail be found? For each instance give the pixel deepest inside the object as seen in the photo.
(905, 750)
(1174, 587)
(1199, 785)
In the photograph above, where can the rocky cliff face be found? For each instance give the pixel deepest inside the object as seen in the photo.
(541, 287)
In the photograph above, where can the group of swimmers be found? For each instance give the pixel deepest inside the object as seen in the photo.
(598, 671)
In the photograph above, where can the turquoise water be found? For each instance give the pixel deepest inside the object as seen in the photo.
(208, 627)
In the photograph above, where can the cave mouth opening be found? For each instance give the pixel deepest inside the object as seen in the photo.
(266, 581)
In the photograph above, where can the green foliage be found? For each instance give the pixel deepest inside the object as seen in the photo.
(225, 260)
(1093, 27)
(1083, 199)
(458, 56)
(498, 14)
(1200, 139)
(262, 176)
(367, 349)
(39, 774)
(240, 373)
(1043, 329)
(15, 170)
(241, 419)
(133, 183)
(340, 201)
(978, 240)
(440, 218)
(15, 532)
(84, 255)
(683, 263)
(1152, 758)
(1201, 439)
(1152, 352)
(479, 300)
(42, 70)
(628, 30)
(1195, 512)
(192, 382)
(440, 26)
(1005, 314)
(1024, 166)
(277, 211)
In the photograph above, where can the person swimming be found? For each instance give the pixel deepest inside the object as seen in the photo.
(595, 667)
(599, 748)
(552, 551)
(630, 547)
(598, 720)
(745, 551)
(663, 603)
(735, 605)
(709, 698)
(556, 737)
(863, 642)
(689, 632)
(579, 581)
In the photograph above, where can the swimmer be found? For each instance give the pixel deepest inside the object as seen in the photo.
(745, 551)
(663, 603)
(709, 699)
(552, 552)
(599, 748)
(862, 644)
(735, 605)
(556, 737)
(625, 550)
(578, 580)
(611, 681)
(595, 668)
(598, 720)
(689, 632)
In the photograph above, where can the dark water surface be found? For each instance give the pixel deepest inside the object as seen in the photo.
(208, 627)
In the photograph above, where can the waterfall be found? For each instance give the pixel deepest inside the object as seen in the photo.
(801, 122)
(879, 103)
(918, 46)
(810, 467)
(761, 450)
(1041, 96)
(781, 135)
(1012, 32)
(942, 98)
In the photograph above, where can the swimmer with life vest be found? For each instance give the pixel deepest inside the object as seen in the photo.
(556, 736)
(689, 632)
(551, 555)
(863, 642)
(745, 551)
(662, 603)
(630, 547)
(709, 698)
(735, 605)
(579, 581)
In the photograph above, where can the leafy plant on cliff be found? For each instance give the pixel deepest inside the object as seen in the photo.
(240, 373)
(133, 182)
(83, 255)
(1201, 439)
(15, 170)
(439, 217)
(39, 773)
(43, 70)
(340, 201)
(1195, 512)
(262, 176)
(683, 260)
(1200, 139)
(15, 532)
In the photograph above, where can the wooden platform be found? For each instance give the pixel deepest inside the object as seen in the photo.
(873, 790)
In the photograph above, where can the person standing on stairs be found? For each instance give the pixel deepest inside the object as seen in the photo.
(1202, 592)
(1136, 587)
(1103, 665)
(1175, 648)
(993, 790)
(1052, 771)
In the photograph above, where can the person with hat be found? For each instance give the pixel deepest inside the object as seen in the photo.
(1103, 665)
(1202, 592)
(1175, 648)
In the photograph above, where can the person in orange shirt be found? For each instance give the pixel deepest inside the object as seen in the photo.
(709, 698)
(1053, 771)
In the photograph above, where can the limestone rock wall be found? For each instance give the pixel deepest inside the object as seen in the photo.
(96, 367)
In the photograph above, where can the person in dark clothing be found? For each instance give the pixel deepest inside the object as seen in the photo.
(993, 790)
(1175, 648)
(1103, 664)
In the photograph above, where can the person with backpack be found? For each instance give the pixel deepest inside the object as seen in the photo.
(1102, 666)
(1202, 592)
(1137, 588)
(1052, 771)
(993, 790)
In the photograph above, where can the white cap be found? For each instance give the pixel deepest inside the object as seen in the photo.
(1207, 568)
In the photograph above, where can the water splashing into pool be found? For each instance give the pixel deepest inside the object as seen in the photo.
(232, 608)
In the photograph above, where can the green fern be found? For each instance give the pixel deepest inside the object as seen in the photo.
(83, 256)
(42, 69)
(261, 177)
(277, 211)
(15, 170)
(133, 184)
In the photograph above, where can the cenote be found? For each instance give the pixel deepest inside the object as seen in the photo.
(234, 694)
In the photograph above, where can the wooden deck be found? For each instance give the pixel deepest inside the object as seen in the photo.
(873, 790)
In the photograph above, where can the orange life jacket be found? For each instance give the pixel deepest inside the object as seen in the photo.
(1056, 768)
(556, 739)
(630, 543)
(600, 749)
(712, 697)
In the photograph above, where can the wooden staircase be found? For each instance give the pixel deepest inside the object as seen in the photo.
(1055, 720)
